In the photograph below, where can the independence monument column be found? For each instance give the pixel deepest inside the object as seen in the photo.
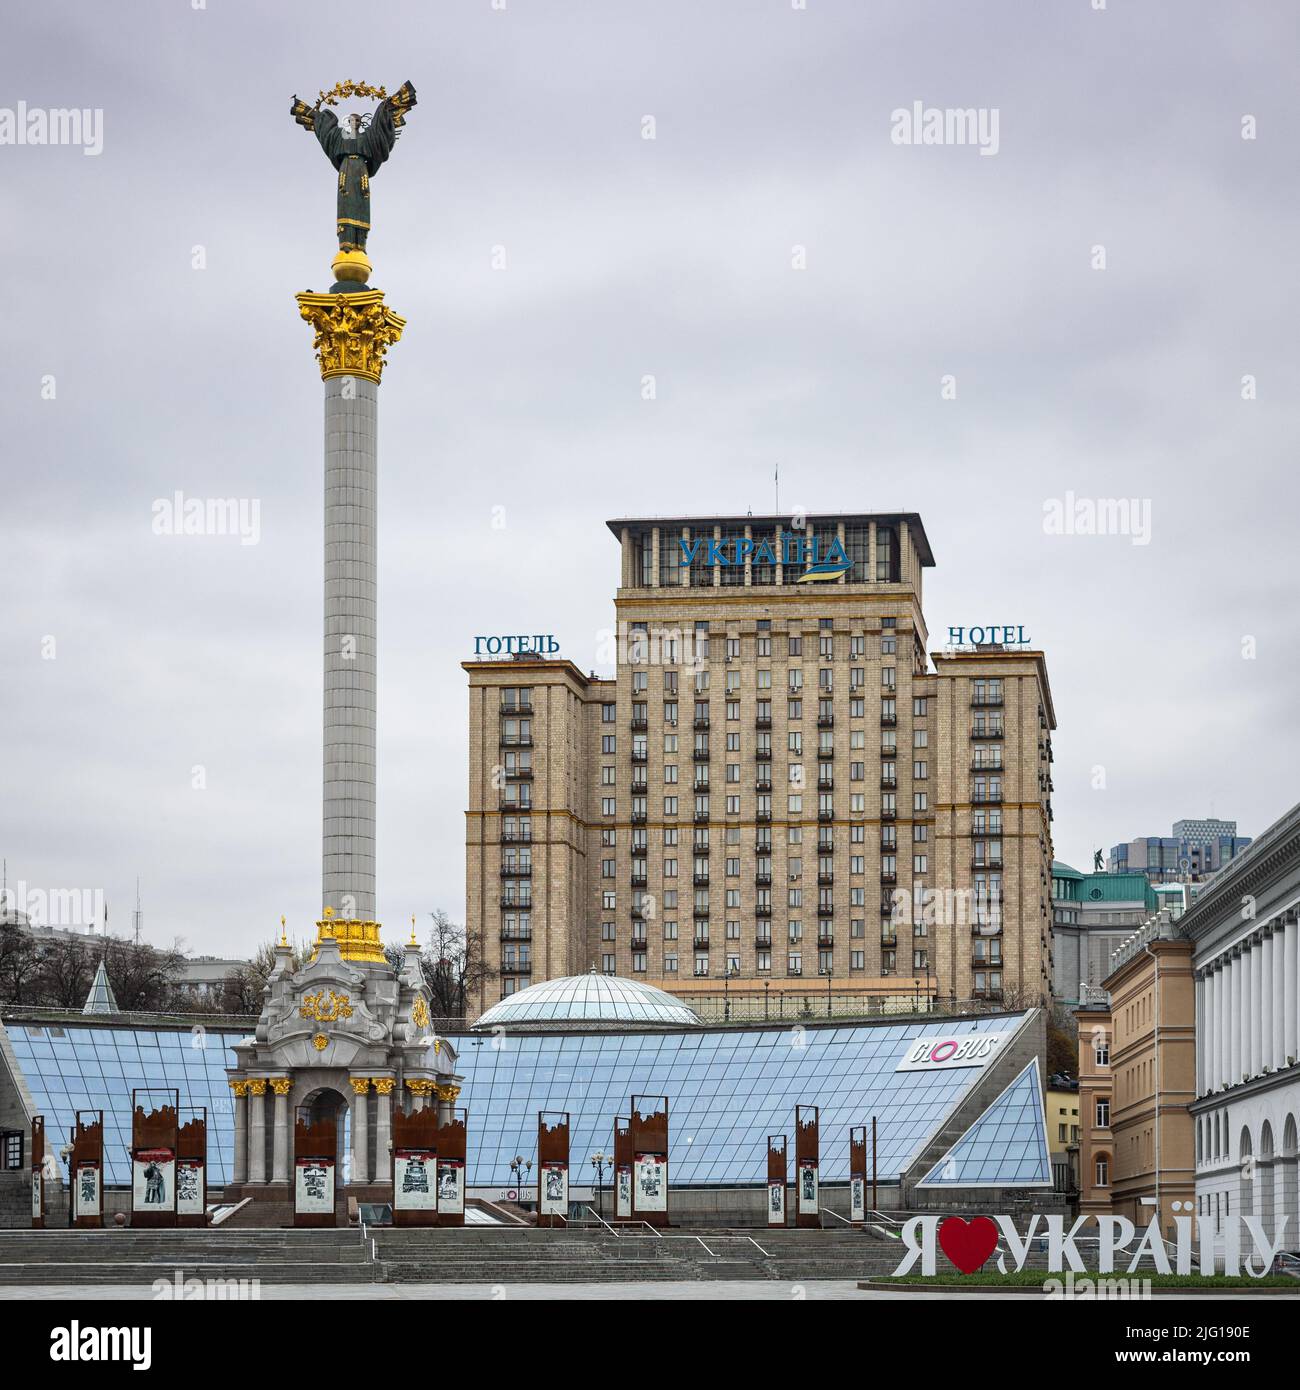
(354, 330)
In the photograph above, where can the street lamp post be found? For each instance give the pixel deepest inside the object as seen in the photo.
(519, 1168)
(599, 1161)
(726, 993)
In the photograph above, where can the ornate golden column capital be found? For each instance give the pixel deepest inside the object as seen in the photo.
(448, 1093)
(240, 1088)
(418, 1087)
(359, 1084)
(384, 1084)
(281, 1084)
(257, 1087)
(353, 332)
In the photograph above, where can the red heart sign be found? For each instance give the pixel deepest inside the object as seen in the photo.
(968, 1245)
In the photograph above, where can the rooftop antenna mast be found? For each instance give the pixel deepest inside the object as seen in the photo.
(137, 916)
(776, 481)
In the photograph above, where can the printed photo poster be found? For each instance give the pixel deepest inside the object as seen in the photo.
(86, 1194)
(555, 1189)
(776, 1204)
(651, 1182)
(313, 1189)
(623, 1192)
(153, 1180)
(808, 1189)
(414, 1187)
(191, 1187)
(36, 1192)
(451, 1185)
(857, 1198)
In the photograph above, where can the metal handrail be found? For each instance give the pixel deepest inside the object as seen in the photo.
(826, 1211)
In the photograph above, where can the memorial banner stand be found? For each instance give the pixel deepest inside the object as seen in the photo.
(451, 1169)
(86, 1170)
(38, 1172)
(778, 1178)
(649, 1132)
(858, 1174)
(154, 1139)
(192, 1168)
(622, 1168)
(807, 1160)
(415, 1167)
(315, 1164)
(553, 1168)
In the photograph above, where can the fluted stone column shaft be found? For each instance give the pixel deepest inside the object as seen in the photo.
(1265, 949)
(241, 1137)
(257, 1133)
(360, 1132)
(1291, 989)
(351, 557)
(1278, 983)
(280, 1138)
(383, 1157)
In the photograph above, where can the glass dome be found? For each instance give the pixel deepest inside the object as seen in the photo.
(589, 1001)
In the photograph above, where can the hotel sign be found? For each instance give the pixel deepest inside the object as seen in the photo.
(788, 549)
(942, 1053)
(1004, 633)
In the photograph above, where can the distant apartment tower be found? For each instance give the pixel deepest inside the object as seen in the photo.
(1195, 849)
(777, 791)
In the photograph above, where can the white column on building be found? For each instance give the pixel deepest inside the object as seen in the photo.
(257, 1131)
(1264, 950)
(1216, 1026)
(1256, 1005)
(360, 1129)
(239, 1089)
(1201, 986)
(1291, 986)
(1273, 1054)
(1238, 1022)
(1278, 981)
(280, 1133)
(1223, 1064)
(383, 1129)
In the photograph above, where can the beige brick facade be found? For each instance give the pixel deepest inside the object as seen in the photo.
(777, 785)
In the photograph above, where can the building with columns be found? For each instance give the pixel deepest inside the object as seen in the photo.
(1245, 933)
(778, 794)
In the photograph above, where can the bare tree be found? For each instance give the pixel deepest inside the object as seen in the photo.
(67, 970)
(453, 966)
(20, 965)
(144, 979)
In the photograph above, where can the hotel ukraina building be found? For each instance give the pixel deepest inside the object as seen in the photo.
(777, 793)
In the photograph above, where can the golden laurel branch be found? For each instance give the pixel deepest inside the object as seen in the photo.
(349, 88)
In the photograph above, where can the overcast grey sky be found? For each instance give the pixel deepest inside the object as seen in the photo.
(521, 388)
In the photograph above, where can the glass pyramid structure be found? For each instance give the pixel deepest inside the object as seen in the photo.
(1005, 1147)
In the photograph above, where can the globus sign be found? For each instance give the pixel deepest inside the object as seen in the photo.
(940, 1053)
(793, 550)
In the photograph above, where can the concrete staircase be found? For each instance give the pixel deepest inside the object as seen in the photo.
(126, 1256)
(512, 1256)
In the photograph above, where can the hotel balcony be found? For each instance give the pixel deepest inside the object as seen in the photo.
(639, 725)
(516, 837)
(992, 830)
(977, 864)
(763, 910)
(638, 817)
(762, 943)
(984, 766)
(762, 880)
(825, 721)
(702, 723)
(889, 721)
(825, 846)
(888, 876)
(640, 880)
(518, 934)
(516, 870)
(888, 784)
(519, 707)
(516, 967)
(519, 774)
(701, 818)
(826, 784)
(763, 817)
(888, 813)
(825, 942)
(639, 851)
(516, 740)
(701, 755)
(511, 900)
(889, 750)
(984, 731)
(986, 701)
(640, 788)
(640, 755)
(825, 815)
(701, 943)
(762, 786)
(700, 880)
(986, 799)
(763, 722)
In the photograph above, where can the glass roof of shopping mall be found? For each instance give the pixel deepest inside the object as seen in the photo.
(589, 999)
(728, 1089)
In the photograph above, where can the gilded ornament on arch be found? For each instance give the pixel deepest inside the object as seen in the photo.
(420, 1012)
(325, 1011)
(320, 1042)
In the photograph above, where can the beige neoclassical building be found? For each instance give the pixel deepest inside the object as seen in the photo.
(778, 795)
